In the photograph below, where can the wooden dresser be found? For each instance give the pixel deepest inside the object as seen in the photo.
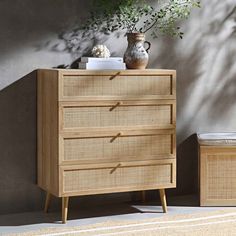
(106, 131)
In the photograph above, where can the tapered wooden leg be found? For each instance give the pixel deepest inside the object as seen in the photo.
(163, 199)
(47, 202)
(143, 194)
(65, 201)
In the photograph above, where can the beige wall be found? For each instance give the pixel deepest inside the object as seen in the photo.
(206, 84)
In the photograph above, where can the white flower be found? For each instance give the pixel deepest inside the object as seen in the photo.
(100, 51)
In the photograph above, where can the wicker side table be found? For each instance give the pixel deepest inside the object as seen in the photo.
(217, 157)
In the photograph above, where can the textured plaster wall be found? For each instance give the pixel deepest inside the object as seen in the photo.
(206, 83)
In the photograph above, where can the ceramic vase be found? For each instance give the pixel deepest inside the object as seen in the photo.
(136, 55)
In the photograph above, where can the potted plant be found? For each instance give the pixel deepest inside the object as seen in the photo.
(138, 17)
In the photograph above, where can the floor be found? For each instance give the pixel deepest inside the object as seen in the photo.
(16, 223)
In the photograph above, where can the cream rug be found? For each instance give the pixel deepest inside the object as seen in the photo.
(218, 223)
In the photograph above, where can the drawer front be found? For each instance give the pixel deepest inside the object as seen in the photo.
(125, 85)
(122, 148)
(118, 178)
(218, 176)
(117, 115)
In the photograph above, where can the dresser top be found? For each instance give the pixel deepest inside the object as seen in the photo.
(116, 72)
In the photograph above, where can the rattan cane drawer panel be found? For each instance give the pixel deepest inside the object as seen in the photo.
(77, 117)
(221, 177)
(133, 85)
(115, 179)
(122, 148)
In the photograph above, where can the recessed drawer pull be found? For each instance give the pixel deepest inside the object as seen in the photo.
(115, 137)
(114, 169)
(116, 105)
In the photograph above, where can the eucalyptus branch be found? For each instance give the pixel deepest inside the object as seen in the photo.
(111, 15)
(151, 26)
(169, 8)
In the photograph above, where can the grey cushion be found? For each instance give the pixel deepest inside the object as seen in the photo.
(217, 139)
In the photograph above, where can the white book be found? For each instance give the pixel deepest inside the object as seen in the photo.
(96, 59)
(102, 65)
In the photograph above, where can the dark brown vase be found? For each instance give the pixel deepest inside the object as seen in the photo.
(136, 56)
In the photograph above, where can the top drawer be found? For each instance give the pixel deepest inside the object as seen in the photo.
(74, 86)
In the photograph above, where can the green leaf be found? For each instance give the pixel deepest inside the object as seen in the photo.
(114, 15)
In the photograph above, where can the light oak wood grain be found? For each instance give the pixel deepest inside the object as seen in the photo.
(163, 200)
(65, 201)
(132, 176)
(47, 202)
(47, 136)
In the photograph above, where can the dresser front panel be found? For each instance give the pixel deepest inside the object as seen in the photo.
(106, 116)
(118, 178)
(124, 148)
(125, 85)
(106, 131)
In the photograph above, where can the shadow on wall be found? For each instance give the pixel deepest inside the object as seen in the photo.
(18, 147)
(77, 43)
(187, 169)
(206, 72)
(187, 166)
(206, 81)
(18, 160)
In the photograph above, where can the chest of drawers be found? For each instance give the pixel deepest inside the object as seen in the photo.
(105, 131)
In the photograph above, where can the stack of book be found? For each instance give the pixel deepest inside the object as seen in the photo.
(96, 63)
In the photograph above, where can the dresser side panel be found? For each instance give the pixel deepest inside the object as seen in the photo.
(47, 126)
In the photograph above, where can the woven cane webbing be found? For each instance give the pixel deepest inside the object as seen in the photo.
(138, 176)
(221, 176)
(120, 116)
(122, 148)
(121, 85)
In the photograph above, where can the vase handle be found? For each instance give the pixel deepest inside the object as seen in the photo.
(148, 45)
